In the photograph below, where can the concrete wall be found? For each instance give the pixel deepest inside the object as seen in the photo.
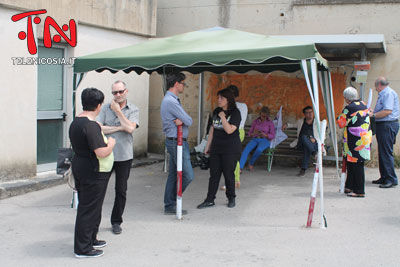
(17, 104)
(102, 25)
(271, 17)
(91, 41)
(132, 16)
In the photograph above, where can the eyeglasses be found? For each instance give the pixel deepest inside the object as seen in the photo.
(118, 92)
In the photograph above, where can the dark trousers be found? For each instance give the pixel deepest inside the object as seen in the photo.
(91, 196)
(304, 144)
(355, 177)
(226, 164)
(122, 170)
(386, 136)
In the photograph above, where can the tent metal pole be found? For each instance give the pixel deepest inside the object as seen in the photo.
(165, 148)
(200, 115)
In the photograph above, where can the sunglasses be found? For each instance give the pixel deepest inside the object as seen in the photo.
(118, 92)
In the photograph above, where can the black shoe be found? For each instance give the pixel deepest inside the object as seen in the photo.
(99, 243)
(379, 181)
(387, 185)
(231, 203)
(302, 173)
(92, 254)
(206, 204)
(173, 212)
(116, 229)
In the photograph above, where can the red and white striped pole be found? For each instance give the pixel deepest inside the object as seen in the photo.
(179, 156)
(343, 176)
(313, 195)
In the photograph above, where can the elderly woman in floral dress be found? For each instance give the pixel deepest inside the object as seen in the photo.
(357, 140)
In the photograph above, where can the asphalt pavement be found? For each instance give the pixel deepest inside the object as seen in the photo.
(266, 228)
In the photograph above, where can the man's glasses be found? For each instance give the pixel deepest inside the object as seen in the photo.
(118, 92)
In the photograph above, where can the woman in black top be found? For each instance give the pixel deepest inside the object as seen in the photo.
(224, 147)
(91, 166)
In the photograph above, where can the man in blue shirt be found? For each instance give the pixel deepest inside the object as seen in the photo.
(386, 115)
(172, 115)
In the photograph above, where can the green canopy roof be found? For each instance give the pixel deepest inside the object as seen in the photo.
(215, 50)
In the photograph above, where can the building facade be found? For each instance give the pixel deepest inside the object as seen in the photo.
(36, 102)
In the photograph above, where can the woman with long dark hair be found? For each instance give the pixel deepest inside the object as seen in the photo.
(224, 147)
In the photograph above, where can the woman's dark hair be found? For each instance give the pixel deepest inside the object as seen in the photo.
(234, 90)
(228, 94)
(174, 77)
(91, 98)
(304, 109)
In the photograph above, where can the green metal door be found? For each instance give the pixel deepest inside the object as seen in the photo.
(50, 109)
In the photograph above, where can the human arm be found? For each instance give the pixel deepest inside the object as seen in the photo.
(180, 114)
(103, 152)
(209, 141)
(126, 125)
(228, 128)
(381, 114)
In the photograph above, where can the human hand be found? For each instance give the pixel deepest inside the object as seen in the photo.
(178, 122)
(312, 139)
(222, 115)
(111, 141)
(207, 150)
(284, 126)
(115, 106)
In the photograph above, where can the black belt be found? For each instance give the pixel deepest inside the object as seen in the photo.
(174, 138)
(385, 121)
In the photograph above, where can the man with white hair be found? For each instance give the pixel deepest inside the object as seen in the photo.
(386, 115)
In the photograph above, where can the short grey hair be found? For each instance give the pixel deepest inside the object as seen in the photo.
(116, 82)
(381, 81)
(350, 94)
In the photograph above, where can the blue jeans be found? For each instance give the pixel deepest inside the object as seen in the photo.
(304, 144)
(386, 136)
(260, 144)
(187, 172)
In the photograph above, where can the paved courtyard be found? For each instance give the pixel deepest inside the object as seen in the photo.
(266, 228)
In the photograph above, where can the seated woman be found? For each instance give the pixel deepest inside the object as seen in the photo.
(263, 131)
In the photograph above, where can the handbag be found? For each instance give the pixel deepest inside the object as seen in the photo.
(64, 159)
(64, 165)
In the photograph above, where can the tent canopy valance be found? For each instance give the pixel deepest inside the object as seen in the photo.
(216, 50)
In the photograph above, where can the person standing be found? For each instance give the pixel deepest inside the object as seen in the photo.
(357, 138)
(243, 114)
(119, 119)
(224, 147)
(386, 115)
(91, 167)
(172, 115)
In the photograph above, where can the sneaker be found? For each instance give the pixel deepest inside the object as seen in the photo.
(231, 203)
(99, 243)
(206, 204)
(173, 212)
(92, 254)
(116, 229)
(302, 173)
